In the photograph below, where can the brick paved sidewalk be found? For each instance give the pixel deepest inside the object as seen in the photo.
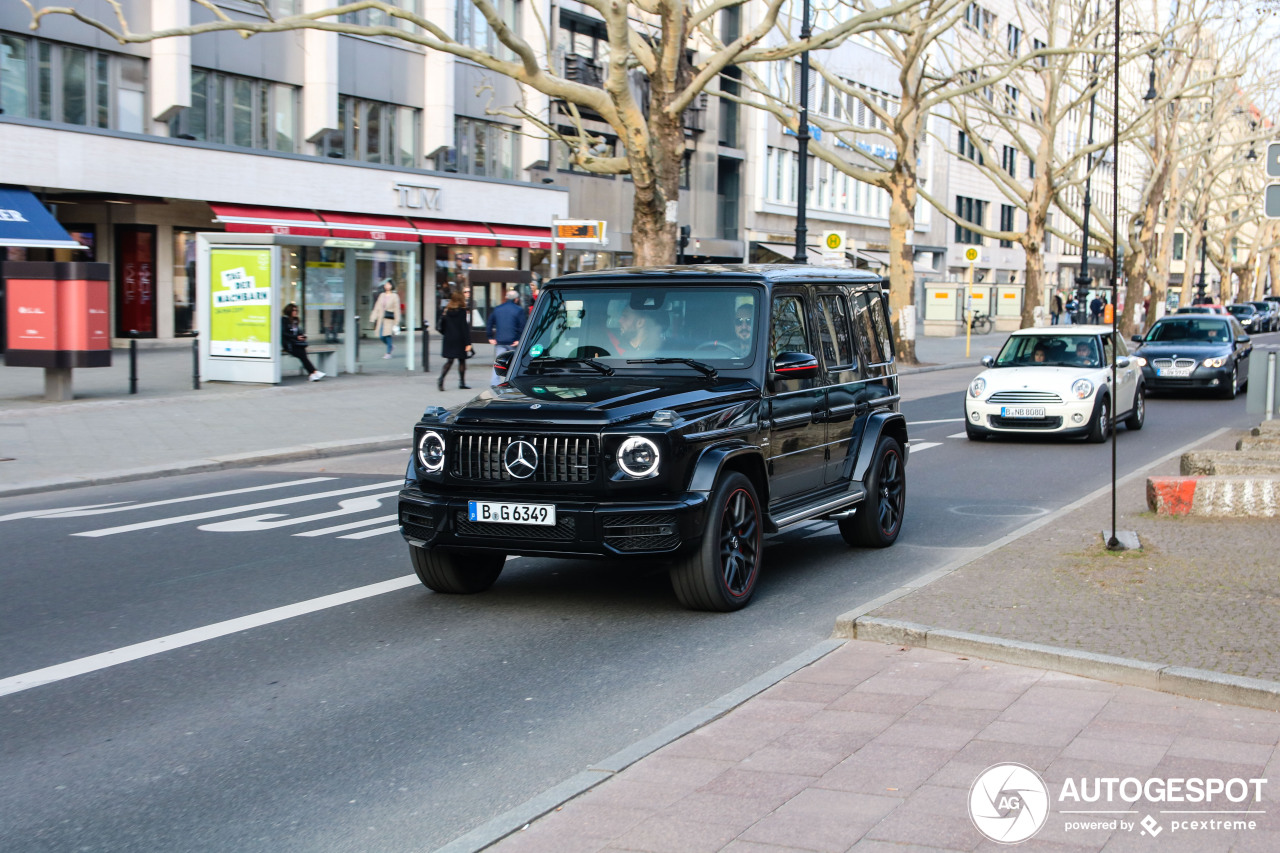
(875, 748)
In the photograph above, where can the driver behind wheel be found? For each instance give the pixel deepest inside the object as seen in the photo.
(744, 321)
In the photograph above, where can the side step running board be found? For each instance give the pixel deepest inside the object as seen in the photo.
(838, 506)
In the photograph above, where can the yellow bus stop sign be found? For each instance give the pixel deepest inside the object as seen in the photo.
(971, 255)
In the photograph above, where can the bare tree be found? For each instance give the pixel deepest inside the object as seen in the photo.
(653, 38)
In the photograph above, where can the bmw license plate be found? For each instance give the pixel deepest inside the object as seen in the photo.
(1022, 411)
(501, 512)
(1173, 372)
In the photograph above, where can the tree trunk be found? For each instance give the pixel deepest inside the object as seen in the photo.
(1191, 268)
(1034, 285)
(902, 276)
(1135, 283)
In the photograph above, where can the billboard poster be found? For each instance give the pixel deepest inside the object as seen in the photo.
(240, 316)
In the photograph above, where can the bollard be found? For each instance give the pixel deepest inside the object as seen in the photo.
(133, 363)
(426, 349)
(195, 364)
(1271, 385)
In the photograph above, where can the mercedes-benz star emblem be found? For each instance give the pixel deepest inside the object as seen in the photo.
(520, 459)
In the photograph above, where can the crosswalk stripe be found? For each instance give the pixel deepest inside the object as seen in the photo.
(351, 525)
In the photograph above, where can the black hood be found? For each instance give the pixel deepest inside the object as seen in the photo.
(1191, 349)
(575, 399)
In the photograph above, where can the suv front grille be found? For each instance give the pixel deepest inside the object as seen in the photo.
(561, 458)
(1022, 398)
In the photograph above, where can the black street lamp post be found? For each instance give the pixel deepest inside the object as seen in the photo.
(1083, 280)
(1204, 253)
(802, 138)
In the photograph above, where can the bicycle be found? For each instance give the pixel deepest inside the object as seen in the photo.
(979, 323)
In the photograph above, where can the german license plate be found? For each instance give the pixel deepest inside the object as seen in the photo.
(1174, 372)
(1022, 411)
(501, 512)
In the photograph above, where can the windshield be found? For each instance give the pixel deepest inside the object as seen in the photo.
(1189, 329)
(1050, 351)
(1241, 310)
(616, 327)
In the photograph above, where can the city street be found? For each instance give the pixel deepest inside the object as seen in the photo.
(392, 718)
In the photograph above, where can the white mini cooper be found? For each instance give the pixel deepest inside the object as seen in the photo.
(1056, 380)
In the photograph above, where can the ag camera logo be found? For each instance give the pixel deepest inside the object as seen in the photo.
(1008, 803)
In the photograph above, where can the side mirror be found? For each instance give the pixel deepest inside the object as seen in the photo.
(988, 361)
(1243, 339)
(502, 363)
(1122, 361)
(1137, 339)
(795, 365)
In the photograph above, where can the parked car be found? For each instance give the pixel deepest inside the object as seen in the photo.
(1203, 308)
(677, 414)
(1248, 317)
(1270, 312)
(1056, 382)
(1183, 353)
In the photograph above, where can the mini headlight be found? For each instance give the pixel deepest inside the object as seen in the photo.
(431, 452)
(977, 386)
(1215, 362)
(638, 457)
(1082, 388)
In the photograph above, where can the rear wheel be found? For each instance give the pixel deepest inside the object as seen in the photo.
(1101, 426)
(1139, 414)
(454, 572)
(879, 520)
(721, 575)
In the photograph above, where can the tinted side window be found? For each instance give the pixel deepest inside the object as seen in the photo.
(833, 332)
(865, 326)
(788, 331)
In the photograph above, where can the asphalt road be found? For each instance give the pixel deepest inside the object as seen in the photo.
(400, 720)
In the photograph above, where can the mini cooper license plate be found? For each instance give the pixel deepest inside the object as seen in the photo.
(501, 512)
(1022, 411)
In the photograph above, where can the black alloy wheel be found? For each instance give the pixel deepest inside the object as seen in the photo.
(878, 520)
(721, 574)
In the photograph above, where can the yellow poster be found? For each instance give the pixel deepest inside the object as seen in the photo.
(240, 318)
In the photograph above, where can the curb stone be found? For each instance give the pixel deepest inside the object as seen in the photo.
(1166, 678)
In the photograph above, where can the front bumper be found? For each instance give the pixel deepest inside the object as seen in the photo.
(1201, 379)
(584, 528)
(1069, 418)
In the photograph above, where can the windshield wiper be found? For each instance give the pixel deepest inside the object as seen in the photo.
(551, 360)
(705, 369)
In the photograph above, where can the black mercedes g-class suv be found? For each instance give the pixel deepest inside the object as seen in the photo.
(673, 413)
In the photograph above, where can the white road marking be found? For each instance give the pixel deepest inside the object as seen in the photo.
(217, 513)
(395, 528)
(37, 513)
(63, 671)
(259, 522)
(78, 512)
(351, 525)
(943, 421)
(917, 446)
(959, 435)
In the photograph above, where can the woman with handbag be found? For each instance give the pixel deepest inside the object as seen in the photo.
(455, 331)
(385, 316)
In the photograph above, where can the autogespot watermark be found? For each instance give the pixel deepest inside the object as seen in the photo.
(1009, 803)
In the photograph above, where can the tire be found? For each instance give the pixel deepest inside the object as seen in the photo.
(974, 433)
(1100, 428)
(1229, 392)
(455, 573)
(982, 326)
(879, 519)
(1139, 414)
(721, 575)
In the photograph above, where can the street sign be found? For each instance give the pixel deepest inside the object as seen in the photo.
(578, 231)
(1273, 159)
(971, 255)
(1271, 201)
(833, 241)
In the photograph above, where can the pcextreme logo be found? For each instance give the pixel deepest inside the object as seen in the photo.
(1009, 803)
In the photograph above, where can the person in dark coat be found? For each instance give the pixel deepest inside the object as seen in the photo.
(506, 324)
(294, 342)
(455, 331)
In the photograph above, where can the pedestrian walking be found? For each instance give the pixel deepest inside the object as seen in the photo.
(1055, 309)
(385, 315)
(1095, 309)
(455, 335)
(294, 342)
(506, 324)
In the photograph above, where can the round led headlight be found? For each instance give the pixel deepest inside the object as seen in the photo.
(1082, 388)
(1215, 362)
(638, 457)
(977, 386)
(431, 452)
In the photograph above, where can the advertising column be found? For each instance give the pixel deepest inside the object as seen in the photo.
(240, 303)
